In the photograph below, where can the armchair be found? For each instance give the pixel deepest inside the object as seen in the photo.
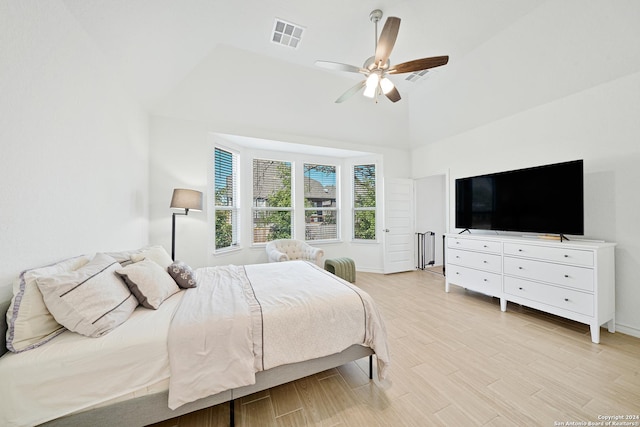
(290, 249)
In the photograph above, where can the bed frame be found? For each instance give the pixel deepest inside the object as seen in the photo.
(153, 408)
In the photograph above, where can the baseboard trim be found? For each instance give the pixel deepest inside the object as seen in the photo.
(369, 270)
(628, 330)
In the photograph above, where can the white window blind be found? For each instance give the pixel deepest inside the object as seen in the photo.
(226, 196)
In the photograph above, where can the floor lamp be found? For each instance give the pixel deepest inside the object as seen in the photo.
(183, 199)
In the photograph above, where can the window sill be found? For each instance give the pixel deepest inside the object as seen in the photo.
(323, 242)
(221, 252)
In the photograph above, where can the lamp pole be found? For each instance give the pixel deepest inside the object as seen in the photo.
(173, 232)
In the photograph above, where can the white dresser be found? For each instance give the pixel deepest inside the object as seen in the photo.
(572, 279)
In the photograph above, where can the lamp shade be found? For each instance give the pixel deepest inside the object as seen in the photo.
(186, 199)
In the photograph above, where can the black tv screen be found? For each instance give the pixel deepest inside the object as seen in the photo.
(542, 199)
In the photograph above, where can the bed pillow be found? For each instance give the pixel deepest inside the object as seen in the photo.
(184, 276)
(149, 282)
(29, 322)
(124, 257)
(155, 253)
(91, 300)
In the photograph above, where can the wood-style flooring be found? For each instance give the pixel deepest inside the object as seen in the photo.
(457, 360)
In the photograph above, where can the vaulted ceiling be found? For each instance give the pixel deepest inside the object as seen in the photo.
(154, 46)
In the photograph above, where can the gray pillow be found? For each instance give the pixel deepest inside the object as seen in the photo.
(91, 300)
(154, 253)
(184, 276)
(149, 282)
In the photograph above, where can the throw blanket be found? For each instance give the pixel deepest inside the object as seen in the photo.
(244, 319)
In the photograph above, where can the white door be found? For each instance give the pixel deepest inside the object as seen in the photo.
(398, 233)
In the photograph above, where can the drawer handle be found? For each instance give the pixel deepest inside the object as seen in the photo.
(566, 256)
(485, 246)
(520, 268)
(566, 275)
(457, 272)
(484, 280)
(566, 299)
(484, 262)
(457, 243)
(457, 256)
(519, 250)
(520, 289)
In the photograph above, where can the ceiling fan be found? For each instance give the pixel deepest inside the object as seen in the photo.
(377, 67)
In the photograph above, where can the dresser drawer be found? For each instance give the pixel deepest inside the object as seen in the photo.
(567, 299)
(474, 244)
(569, 256)
(480, 281)
(479, 260)
(557, 274)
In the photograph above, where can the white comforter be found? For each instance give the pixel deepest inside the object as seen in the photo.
(243, 319)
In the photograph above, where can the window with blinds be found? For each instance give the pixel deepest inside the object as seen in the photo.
(226, 196)
(272, 200)
(320, 206)
(364, 202)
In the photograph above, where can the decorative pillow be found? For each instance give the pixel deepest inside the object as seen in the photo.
(184, 276)
(91, 300)
(149, 282)
(29, 322)
(155, 253)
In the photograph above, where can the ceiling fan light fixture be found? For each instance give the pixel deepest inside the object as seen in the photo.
(373, 80)
(386, 85)
(370, 91)
(377, 67)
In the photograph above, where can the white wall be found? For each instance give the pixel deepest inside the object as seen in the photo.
(245, 93)
(181, 156)
(74, 156)
(561, 84)
(431, 212)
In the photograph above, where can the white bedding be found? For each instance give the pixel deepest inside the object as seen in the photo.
(131, 359)
(235, 324)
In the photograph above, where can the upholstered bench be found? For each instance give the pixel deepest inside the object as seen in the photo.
(342, 267)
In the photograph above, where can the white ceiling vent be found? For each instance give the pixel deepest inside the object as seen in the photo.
(416, 75)
(286, 33)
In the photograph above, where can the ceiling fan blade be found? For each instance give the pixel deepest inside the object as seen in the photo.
(393, 95)
(387, 40)
(337, 66)
(348, 94)
(418, 65)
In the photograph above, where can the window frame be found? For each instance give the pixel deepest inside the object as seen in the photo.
(235, 208)
(266, 209)
(356, 209)
(335, 209)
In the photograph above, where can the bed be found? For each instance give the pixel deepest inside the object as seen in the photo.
(130, 375)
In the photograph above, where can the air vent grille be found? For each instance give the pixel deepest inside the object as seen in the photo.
(416, 75)
(287, 34)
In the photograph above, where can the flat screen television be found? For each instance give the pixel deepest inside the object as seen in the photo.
(542, 199)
